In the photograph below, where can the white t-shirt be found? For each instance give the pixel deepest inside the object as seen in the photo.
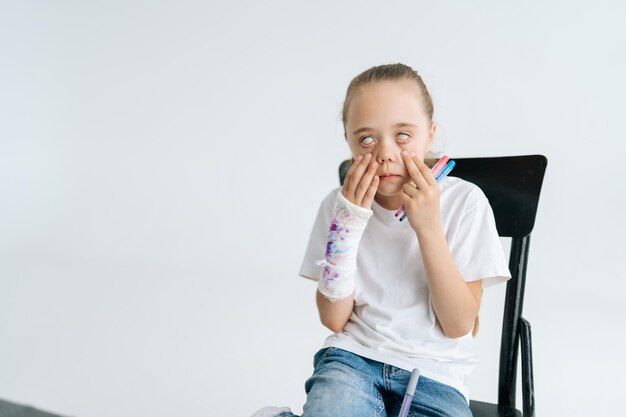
(393, 320)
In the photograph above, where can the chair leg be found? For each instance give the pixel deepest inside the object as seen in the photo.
(528, 385)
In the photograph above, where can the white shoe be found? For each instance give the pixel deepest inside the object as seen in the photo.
(271, 411)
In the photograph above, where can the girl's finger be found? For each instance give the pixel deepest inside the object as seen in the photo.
(406, 199)
(355, 178)
(351, 168)
(371, 192)
(410, 190)
(348, 192)
(414, 172)
(426, 172)
(365, 182)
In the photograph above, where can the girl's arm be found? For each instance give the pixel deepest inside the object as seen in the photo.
(334, 314)
(455, 301)
(335, 294)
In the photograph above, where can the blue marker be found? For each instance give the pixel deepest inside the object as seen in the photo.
(446, 170)
(408, 395)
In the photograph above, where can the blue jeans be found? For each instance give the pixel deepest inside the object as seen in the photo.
(347, 385)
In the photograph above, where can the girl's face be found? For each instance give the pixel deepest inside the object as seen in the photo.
(384, 119)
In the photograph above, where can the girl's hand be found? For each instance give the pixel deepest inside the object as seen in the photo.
(361, 182)
(421, 196)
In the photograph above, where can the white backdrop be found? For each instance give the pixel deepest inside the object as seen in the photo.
(161, 163)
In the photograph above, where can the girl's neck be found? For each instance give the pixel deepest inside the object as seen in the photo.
(388, 202)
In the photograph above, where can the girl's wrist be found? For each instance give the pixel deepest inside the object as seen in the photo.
(429, 231)
(359, 212)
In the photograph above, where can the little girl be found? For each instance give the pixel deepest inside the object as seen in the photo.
(397, 295)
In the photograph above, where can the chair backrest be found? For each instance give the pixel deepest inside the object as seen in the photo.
(512, 184)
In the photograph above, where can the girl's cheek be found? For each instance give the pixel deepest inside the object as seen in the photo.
(405, 172)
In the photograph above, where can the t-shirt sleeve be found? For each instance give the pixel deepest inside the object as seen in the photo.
(478, 251)
(316, 248)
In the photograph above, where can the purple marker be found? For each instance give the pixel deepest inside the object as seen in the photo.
(408, 396)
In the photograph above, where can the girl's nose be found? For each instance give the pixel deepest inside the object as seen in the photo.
(385, 154)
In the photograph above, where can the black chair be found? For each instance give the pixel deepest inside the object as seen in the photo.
(10, 409)
(512, 184)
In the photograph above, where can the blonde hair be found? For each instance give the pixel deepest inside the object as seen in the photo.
(389, 72)
(395, 72)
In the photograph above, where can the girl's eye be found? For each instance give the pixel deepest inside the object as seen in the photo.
(404, 137)
(367, 140)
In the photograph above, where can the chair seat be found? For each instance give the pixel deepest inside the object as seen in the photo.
(481, 409)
